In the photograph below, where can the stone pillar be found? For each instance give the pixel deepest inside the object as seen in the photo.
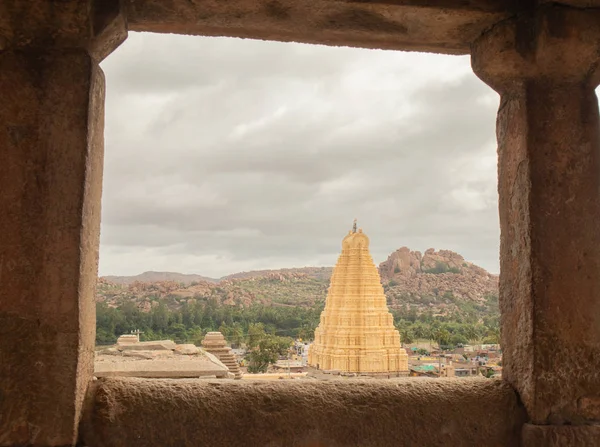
(545, 68)
(51, 158)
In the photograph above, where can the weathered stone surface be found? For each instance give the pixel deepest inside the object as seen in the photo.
(109, 27)
(302, 413)
(177, 367)
(150, 354)
(51, 153)
(168, 345)
(561, 435)
(127, 339)
(161, 358)
(544, 64)
(109, 351)
(539, 46)
(356, 331)
(214, 343)
(99, 26)
(187, 349)
(402, 25)
(549, 187)
(401, 262)
(410, 272)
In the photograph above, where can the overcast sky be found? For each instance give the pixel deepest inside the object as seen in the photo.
(228, 155)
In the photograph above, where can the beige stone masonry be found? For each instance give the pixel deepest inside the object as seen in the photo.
(356, 332)
(165, 366)
(214, 342)
(156, 359)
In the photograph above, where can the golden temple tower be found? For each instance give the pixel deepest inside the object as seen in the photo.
(356, 332)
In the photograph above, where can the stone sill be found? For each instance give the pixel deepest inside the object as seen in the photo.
(304, 413)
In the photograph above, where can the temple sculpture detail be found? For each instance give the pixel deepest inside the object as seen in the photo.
(356, 332)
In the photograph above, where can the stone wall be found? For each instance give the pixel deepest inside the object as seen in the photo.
(455, 412)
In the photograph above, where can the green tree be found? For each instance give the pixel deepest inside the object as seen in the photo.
(407, 335)
(160, 318)
(492, 336)
(225, 330)
(236, 335)
(472, 333)
(196, 335)
(266, 352)
(441, 337)
(256, 332)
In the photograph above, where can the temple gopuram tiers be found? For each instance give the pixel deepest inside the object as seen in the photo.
(356, 332)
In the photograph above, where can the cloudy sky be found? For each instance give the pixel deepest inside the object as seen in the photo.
(227, 155)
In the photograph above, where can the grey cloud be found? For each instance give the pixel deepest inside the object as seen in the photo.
(177, 63)
(262, 153)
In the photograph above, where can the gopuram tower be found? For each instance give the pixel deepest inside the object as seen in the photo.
(356, 332)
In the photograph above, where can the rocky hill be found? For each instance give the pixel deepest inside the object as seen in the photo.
(308, 272)
(439, 282)
(411, 273)
(158, 277)
(270, 288)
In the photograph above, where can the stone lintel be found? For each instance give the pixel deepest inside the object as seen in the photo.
(575, 3)
(109, 27)
(545, 68)
(553, 43)
(51, 159)
(455, 5)
(560, 435)
(441, 26)
(350, 413)
(99, 26)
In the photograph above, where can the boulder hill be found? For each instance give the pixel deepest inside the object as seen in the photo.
(436, 273)
(433, 279)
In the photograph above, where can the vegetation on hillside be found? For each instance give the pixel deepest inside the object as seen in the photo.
(264, 348)
(469, 324)
(189, 322)
(303, 292)
(441, 267)
(447, 305)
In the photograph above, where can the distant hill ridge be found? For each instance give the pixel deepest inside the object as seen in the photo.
(400, 264)
(310, 272)
(158, 277)
(439, 281)
(188, 278)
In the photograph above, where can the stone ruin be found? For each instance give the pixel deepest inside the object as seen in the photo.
(157, 359)
(214, 342)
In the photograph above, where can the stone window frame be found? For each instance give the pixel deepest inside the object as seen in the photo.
(523, 50)
(94, 428)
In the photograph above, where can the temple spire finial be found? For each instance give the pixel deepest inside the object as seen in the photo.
(354, 226)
